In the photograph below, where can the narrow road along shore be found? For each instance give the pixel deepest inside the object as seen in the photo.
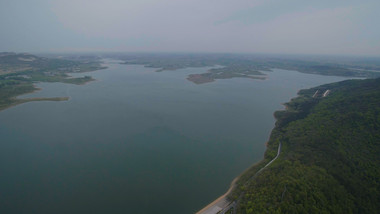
(221, 203)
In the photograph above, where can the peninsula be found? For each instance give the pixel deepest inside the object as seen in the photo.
(19, 72)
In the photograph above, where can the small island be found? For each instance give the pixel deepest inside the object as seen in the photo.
(226, 73)
(227, 66)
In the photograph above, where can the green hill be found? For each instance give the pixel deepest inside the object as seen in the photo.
(330, 156)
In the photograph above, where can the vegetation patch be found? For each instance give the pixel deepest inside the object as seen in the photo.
(19, 72)
(251, 66)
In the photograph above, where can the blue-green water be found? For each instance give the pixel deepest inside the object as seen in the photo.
(137, 141)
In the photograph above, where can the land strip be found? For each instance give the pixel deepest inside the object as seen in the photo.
(19, 73)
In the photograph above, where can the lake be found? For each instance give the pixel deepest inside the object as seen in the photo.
(137, 141)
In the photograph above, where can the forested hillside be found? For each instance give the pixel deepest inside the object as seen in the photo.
(330, 157)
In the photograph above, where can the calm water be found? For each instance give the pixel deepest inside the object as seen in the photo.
(137, 141)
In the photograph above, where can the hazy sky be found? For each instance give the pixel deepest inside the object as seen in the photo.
(254, 26)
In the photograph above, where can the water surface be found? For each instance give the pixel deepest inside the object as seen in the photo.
(137, 141)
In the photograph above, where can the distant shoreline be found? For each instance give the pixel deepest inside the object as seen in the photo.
(26, 100)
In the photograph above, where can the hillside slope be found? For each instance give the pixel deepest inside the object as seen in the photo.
(330, 159)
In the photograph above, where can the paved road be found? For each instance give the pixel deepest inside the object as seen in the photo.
(278, 153)
(222, 204)
(219, 203)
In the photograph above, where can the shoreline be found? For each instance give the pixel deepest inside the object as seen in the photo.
(230, 189)
(222, 202)
(15, 100)
(208, 208)
(27, 100)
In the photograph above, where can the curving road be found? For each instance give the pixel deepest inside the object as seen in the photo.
(221, 204)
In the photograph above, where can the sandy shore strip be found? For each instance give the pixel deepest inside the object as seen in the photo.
(220, 203)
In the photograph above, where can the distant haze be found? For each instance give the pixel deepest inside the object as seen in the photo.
(236, 26)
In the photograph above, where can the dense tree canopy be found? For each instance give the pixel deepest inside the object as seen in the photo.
(330, 155)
